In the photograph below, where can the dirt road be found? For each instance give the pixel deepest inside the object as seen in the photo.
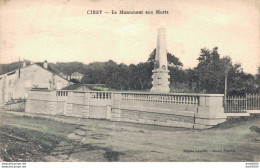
(101, 140)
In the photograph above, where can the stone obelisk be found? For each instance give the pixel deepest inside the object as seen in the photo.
(161, 72)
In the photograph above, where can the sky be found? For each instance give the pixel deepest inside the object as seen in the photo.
(63, 31)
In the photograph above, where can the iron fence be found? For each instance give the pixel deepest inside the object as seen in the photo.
(240, 104)
(235, 104)
(253, 101)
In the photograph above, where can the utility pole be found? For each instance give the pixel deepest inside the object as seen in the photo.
(227, 67)
(225, 87)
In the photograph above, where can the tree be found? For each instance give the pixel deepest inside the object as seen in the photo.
(171, 59)
(240, 82)
(258, 77)
(210, 72)
(257, 80)
(207, 56)
(144, 75)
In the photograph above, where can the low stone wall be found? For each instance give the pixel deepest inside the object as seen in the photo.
(15, 106)
(197, 111)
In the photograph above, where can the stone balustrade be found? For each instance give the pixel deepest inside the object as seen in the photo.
(100, 95)
(62, 93)
(196, 111)
(162, 98)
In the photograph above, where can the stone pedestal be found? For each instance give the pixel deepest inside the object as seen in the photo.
(160, 81)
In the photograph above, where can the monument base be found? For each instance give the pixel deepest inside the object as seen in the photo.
(160, 81)
(160, 90)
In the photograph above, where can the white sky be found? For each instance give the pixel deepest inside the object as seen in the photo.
(61, 30)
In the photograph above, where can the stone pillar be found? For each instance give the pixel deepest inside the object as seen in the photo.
(87, 103)
(116, 107)
(210, 111)
(161, 72)
(109, 107)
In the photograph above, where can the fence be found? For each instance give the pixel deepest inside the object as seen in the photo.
(236, 104)
(239, 104)
(253, 101)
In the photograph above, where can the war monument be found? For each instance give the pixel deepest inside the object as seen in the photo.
(161, 73)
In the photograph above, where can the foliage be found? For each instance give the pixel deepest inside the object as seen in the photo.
(76, 81)
(120, 76)
(4, 68)
(100, 88)
(68, 68)
(171, 59)
(208, 76)
(257, 81)
(211, 70)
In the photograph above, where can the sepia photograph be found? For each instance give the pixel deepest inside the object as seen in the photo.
(129, 81)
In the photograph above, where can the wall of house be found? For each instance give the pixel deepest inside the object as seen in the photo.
(197, 111)
(13, 86)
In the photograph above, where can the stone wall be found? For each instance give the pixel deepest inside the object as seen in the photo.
(197, 111)
(15, 106)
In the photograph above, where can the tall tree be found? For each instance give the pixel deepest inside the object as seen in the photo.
(144, 75)
(257, 80)
(171, 59)
(210, 72)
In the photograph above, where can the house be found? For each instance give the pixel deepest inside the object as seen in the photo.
(76, 75)
(17, 83)
(63, 75)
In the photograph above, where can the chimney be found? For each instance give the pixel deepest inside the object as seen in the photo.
(24, 64)
(45, 64)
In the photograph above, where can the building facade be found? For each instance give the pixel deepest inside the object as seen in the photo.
(76, 75)
(17, 83)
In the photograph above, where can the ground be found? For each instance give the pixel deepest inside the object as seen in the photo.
(56, 138)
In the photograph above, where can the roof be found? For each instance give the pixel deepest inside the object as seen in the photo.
(76, 74)
(40, 64)
(48, 67)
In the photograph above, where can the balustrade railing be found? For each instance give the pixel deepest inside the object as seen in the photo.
(93, 94)
(233, 104)
(100, 95)
(162, 98)
(62, 93)
(146, 97)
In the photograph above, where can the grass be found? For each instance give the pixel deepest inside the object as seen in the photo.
(43, 125)
(47, 140)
